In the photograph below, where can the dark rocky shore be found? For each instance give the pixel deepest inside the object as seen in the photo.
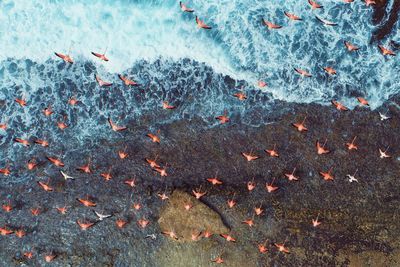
(385, 17)
(360, 224)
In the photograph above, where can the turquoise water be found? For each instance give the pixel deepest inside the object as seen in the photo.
(238, 45)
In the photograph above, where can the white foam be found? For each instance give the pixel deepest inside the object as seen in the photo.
(238, 45)
(309, 45)
(131, 31)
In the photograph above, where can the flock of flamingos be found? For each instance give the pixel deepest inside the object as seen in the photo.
(300, 126)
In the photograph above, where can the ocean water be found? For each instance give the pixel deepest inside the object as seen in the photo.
(159, 46)
(238, 45)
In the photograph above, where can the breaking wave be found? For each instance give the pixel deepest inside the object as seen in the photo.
(238, 45)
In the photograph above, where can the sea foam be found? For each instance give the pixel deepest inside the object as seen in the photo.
(238, 45)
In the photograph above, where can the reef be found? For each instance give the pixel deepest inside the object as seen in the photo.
(359, 220)
(189, 217)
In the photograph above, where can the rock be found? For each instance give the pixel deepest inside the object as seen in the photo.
(385, 18)
(201, 254)
(370, 258)
(174, 217)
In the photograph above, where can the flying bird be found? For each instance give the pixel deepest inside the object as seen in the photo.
(384, 116)
(300, 126)
(261, 84)
(201, 24)
(385, 51)
(326, 22)
(184, 8)
(223, 118)
(370, 2)
(314, 5)
(362, 101)
(66, 176)
(102, 216)
(249, 156)
(101, 82)
(383, 153)
(352, 177)
(281, 248)
(303, 72)
(100, 56)
(127, 81)
(291, 16)
(291, 176)
(350, 46)
(66, 58)
(330, 70)
(166, 105)
(339, 106)
(316, 222)
(84, 225)
(271, 25)
(321, 148)
(115, 127)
